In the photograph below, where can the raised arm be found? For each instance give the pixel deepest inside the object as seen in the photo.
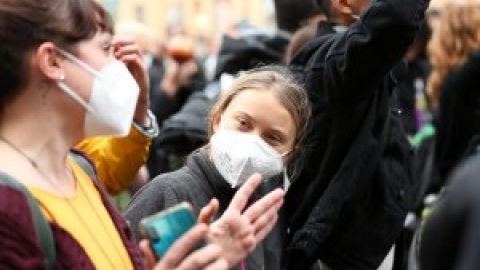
(356, 61)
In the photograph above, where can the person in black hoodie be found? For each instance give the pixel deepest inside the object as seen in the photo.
(349, 204)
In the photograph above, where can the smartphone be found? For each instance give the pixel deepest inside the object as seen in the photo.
(164, 228)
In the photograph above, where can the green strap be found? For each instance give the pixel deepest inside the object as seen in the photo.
(84, 165)
(42, 227)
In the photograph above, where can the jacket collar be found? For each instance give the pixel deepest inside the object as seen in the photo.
(203, 168)
(201, 165)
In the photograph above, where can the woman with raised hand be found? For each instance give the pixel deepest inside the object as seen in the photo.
(62, 82)
(256, 126)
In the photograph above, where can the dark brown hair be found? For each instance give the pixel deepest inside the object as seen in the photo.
(26, 24)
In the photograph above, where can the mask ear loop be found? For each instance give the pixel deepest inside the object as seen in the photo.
(72, 94)
(286, 180)
(79, 63)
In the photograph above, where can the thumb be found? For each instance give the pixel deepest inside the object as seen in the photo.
(208, 212)
(148, 255)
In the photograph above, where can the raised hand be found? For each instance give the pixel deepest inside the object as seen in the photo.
(239, 230)
(128, 51)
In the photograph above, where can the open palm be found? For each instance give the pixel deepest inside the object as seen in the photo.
(239, 230)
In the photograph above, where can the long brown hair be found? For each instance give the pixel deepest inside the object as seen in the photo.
(26, 24)
(457, 35)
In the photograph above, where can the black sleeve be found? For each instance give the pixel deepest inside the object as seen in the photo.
(356, 61)
(155, 196)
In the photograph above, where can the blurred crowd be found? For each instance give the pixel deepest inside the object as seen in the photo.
(345, 139)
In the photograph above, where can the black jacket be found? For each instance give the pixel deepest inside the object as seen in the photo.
(198, 182)
(458, 121)
(349, 204)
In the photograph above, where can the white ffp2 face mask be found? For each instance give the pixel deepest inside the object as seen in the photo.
(238, 155)
(112, 102)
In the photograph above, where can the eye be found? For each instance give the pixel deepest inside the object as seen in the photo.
(242, 124)
(107, 47)
(273, 140)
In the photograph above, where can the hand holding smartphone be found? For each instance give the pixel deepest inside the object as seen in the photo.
(166, 227)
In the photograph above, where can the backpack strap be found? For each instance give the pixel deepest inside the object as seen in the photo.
(42, 227)
(84, 164)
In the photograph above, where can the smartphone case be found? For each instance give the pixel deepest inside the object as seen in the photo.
(164, 228)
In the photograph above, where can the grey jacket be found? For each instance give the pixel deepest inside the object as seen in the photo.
(198, 182)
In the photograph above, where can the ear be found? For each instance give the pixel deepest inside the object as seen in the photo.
(343, 7)
(48, 61)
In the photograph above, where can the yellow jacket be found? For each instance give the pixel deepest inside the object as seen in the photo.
(117, 160)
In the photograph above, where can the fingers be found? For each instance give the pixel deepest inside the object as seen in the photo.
(122, 45)
(267, 218)
(241, 197)
(147, 254)
(208, 212)
(218, 265)
(178, 251)
(128, 50)
(268, 202)
(130, 55)
(263, 231)
(249, 243)
(125, 45)
(201, 258)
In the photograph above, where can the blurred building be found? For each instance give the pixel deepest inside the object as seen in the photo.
(196, 17)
